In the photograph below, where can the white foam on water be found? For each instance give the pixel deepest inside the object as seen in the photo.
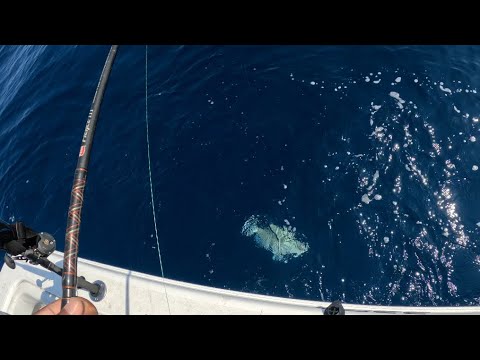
(474, 167)
(447, 90)
(366, 199)
(478, 224)
(455, 108)
(398, 79)
(284, 186)
(397, 97)
(473, 139)
(377, 81)
(374, 180)
(378, 132)
(415, 80)
(313, 83)
(475, 119)
(386, 240)
(378, 197)
(367, 79)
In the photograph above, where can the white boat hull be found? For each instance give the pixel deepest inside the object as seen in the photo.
(28, 287)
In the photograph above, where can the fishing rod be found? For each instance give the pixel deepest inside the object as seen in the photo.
(69, 274)
(22, 243)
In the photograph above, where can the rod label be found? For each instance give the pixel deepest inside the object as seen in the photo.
(82, 151)
(87, 126)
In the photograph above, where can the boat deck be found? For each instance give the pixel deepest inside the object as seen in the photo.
(29, 287)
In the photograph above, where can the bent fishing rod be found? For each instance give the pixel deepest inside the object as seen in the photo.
(69, 275)
(23, 243)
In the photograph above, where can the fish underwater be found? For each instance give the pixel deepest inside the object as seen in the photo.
(281, 241)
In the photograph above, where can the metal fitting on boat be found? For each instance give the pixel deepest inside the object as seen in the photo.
(102, 291)
(335, 308)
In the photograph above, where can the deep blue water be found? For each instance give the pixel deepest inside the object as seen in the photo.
(295, 133)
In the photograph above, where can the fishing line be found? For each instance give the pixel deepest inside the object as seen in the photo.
(150, 175)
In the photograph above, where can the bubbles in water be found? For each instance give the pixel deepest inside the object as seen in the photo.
(406, 176)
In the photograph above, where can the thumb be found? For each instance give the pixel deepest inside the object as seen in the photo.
(78, 306)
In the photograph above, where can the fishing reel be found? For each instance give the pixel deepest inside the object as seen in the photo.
(45, 245)
(24, 244)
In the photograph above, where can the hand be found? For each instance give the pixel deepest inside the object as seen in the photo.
(76, 306)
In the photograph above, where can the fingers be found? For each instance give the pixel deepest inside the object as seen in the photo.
(79, 306)
(75, 306)
(51, 309)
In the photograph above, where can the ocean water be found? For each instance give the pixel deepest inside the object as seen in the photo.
(367, 155)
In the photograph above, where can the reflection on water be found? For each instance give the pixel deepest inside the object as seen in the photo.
(409, 182)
